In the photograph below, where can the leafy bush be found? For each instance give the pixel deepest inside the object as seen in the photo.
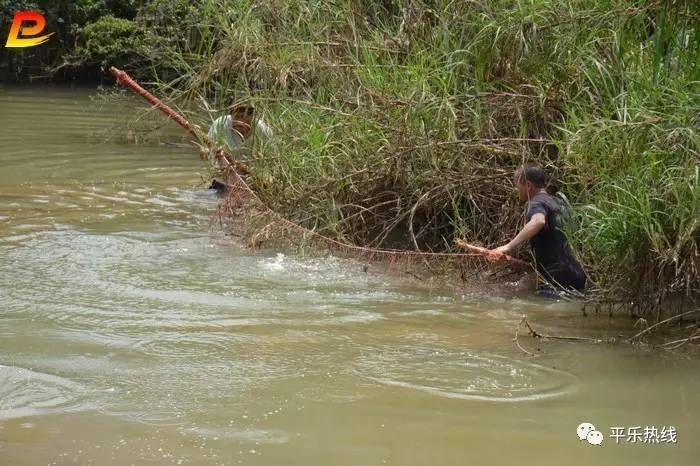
(110, 41)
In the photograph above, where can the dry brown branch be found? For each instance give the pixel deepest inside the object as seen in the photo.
(559, 337)
(517, 341)
(665, 321)
(673, 345)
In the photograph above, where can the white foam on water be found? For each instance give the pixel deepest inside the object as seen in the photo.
(273, 265)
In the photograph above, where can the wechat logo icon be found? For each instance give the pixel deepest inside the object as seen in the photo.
(586, 431)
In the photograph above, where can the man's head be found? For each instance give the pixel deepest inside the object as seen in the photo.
(242, 119)
(529, 180)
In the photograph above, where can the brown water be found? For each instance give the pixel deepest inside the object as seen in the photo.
(133, 333)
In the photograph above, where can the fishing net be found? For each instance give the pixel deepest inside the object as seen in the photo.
(245, 215)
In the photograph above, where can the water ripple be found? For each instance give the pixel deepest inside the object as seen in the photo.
(465, 374)
(24, 393)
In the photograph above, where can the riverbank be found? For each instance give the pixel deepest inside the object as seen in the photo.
(401, 125)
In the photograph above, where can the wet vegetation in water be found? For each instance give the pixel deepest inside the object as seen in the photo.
(400, 123)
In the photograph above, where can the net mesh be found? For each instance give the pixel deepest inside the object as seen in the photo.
(245, 215)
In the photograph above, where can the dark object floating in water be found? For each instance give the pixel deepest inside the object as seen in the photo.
(218, 185)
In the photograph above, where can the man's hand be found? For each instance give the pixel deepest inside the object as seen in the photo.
(500, 253)
(494, 255)
(505, 249)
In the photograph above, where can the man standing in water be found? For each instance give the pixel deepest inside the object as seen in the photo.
(554, 260)
(232, 132)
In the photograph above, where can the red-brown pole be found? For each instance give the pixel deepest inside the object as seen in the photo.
(124, 79)
(489, 255)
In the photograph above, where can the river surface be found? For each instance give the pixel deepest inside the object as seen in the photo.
(132, 331)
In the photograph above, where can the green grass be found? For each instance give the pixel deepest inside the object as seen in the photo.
(401, 123)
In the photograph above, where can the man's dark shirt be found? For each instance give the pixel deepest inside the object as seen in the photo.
(554, 258)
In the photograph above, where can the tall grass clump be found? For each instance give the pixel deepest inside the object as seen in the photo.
(400, 123)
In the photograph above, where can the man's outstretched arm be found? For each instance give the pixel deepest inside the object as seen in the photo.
(531, 228)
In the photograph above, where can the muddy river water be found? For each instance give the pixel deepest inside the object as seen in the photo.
(134, 332)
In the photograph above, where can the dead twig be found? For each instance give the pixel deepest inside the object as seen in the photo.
(535, 334)
(665, 321)
(517, 341)
(673, 345)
